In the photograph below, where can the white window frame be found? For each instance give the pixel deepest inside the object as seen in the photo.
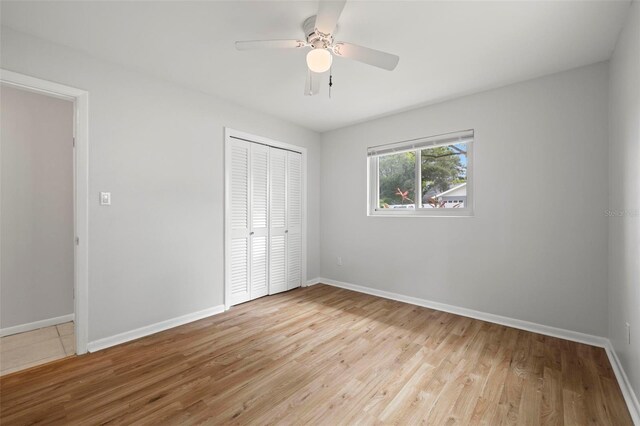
(373, 192)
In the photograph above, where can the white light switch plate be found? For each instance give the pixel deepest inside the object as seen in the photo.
(105, 198)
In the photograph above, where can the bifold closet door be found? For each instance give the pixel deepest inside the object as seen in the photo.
(238, 248)
(264, 235)
(293, 229)
(259, 213)
(278, 221)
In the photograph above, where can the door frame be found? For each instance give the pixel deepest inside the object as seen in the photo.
(230, 133)
(80, 99)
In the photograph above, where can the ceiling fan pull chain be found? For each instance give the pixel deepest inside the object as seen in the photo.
(330, 80)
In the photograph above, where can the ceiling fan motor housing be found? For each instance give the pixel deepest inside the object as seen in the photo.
(315, 38)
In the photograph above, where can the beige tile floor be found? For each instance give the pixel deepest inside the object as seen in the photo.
(24, 350)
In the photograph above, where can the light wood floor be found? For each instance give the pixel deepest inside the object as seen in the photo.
(322, 355)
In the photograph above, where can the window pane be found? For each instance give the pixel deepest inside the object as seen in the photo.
(397, 180)
(444, 176)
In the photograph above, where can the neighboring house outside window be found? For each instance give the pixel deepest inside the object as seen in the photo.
(455, 197)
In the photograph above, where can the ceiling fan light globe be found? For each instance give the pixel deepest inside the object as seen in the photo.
(319, 60)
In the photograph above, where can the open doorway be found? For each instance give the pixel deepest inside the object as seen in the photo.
(41, 316)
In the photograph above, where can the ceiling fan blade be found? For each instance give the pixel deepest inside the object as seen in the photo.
(373, 57)
(328, 14)
(269, 44)
(312, 85)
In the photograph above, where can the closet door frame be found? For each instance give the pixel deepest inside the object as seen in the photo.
(229, 136)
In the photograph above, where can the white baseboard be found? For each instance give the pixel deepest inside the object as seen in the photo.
(36, 325)
(630, 396)
(107, 342)
(313, 281)
(484, 316)
(623, 381)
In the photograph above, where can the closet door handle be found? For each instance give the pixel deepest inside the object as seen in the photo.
(251, 233)
(286, 232)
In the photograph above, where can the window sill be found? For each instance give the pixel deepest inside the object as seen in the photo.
(422, 213)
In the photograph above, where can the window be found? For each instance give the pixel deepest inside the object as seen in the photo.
(429, 177)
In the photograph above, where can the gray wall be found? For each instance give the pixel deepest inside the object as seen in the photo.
(37, 207)
(536, 249)
(624, 198)
(157, 252)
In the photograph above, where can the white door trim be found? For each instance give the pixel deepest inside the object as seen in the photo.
(228, 134)
(80, 99)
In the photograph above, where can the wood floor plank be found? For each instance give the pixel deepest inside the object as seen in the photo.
(327, 356)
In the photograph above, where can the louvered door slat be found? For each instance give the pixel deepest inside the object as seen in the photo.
(239, 267)
(259, 186)
(294, 260)
(239, 186)
(294, 191)
(277, 264)
(278, 179)
(259, 267)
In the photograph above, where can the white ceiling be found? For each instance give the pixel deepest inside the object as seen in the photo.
(446, 49)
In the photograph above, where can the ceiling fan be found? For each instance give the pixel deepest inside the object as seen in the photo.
(319, 31)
